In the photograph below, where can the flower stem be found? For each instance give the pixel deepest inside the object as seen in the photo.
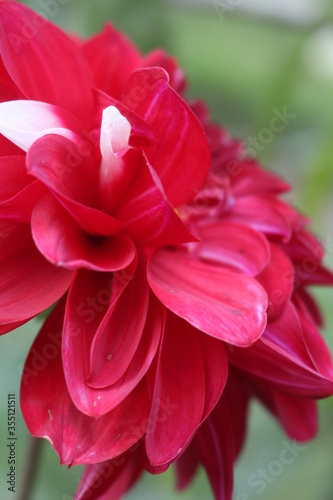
(30, 469)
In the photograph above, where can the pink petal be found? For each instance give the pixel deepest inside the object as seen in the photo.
(73, 179)
(18, 191)
(186, 467)
(297, 415)
(181, 138)
(26, 276)
(178, 398)
(23, 122)
(28, 42)
(147, 216)
(110, 479)
(233, 244)
(281, 358)
(111, 58)
(64, 243)
(215, 446)
(93, 314)
(261, 213)
(77, 439)
(161, 59)
(278, 281)
(118, 337)
(225, 304)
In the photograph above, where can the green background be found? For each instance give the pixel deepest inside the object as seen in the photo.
(244, 66)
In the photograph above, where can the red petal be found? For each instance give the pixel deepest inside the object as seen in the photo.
(278, 281)
(178, 394)
(73, 179)
(65, 244)
(78, 439)
(281, 357)
(176, 75)
(18, 192)
(297, 415)
(147, 216)
(29, 284)
(111, 58)
(110, 479)
(215, 446)
(28, 42)
(233, 244)
(261, 213)
(225, 304)
(118, 337)
(91, 315)
(181, 138)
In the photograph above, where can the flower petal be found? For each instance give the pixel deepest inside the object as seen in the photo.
(111, 58)
(178, 395)
(28, 42)
(92, 303)
(215, 446)
(146, 214)
(233, 244)
(25, 276)
(281, 357)
(23, 122)
(278, 280)
(64, 243)
(111, 479)
(77, 439)
(225, 304)
(73, 179)
(181, 138)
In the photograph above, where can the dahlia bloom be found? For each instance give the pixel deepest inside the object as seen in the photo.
(176, 273)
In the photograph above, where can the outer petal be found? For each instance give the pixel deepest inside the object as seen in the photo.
(23, 122)
(25, 276)
(225, 304)
(215, 446)
(51, 414)
(281, 357)
(65, 244)
(18, 191)
(178, 398)
(111, 479)
(28, 42)
(181, 138)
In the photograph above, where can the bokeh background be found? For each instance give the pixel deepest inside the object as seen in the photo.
(245, 58)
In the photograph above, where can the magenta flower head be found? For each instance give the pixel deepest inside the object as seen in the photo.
(178, 276)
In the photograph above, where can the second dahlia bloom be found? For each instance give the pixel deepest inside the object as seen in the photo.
(174, 269)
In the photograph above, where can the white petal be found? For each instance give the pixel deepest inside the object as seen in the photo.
(23, 122)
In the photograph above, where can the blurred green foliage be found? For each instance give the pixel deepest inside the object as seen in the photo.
(244, 68)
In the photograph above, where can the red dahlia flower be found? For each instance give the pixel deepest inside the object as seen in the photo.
(161, 258)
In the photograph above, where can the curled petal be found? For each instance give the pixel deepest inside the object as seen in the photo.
(77, 438)
(65, 244)
(180, 137)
